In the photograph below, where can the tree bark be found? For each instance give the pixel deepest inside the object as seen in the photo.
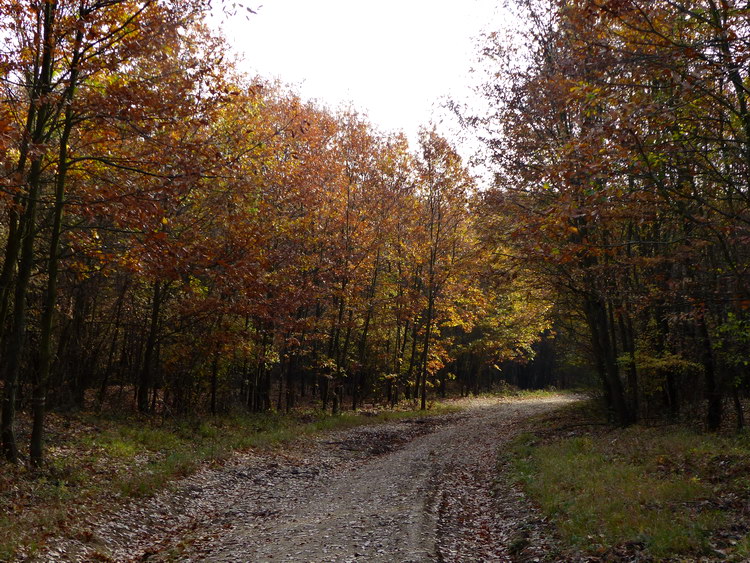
(145, 380)
(712, 387)
(596, 317)
(14, 344)
(39, 393)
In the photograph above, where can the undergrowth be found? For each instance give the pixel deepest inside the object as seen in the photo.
(663, 491)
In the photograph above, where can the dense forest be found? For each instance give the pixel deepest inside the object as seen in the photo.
(622, 138)
(180, 237)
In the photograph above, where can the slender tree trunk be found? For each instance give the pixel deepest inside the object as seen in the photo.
(324, 392)
(146, 376)
(13, 242)
(341, 362)
(39, 394)
(739, 412)
(214, 380)
(282, 378)
(412, 362)
(112, 346)
(596, 316)
(13, 346)
(427, 335)
(712, 388)
(670, 381)
(626, 335)
(362, 352)
(290, 382)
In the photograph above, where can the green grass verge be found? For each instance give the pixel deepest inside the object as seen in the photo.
(511, 392)
(666, 489)
(175, 450)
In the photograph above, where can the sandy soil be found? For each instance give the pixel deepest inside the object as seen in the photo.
(412, 491)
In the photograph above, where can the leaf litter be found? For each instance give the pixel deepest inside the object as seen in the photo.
(408, 491)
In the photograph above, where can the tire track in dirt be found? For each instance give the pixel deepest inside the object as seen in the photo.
(411, 491)
(434, 499)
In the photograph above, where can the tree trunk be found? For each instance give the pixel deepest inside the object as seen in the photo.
(145, 380)
(365, 331)
(626, 334)
(14, 344)
(739, 412)
(596, 317)
(39, 394)
(712, 388)
(214, 380)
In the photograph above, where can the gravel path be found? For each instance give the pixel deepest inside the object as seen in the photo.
(412, 491)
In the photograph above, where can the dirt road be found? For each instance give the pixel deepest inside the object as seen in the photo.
(412, 491)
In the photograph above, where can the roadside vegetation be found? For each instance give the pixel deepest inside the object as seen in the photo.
(98, 462)
(656, 491)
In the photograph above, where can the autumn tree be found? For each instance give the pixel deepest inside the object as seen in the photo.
(83, 77)
(179, 237)
(621, 141)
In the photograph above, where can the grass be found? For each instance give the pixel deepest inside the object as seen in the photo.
(95, 462)
(190, 444)
(508, 391)
(668, 491)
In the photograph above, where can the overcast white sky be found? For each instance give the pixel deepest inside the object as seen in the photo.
(393, 59)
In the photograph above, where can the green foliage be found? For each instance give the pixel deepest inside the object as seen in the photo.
(653, 368)
(665, 362)
(733, 339)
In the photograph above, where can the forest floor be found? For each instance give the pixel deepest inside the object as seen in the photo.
(409, 491)
(661, 490)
